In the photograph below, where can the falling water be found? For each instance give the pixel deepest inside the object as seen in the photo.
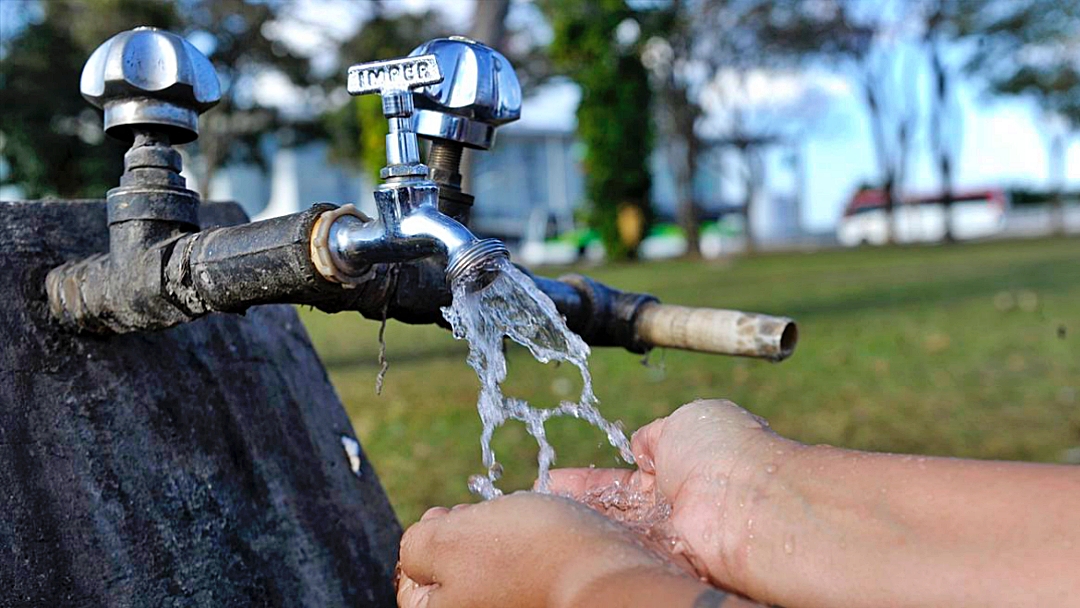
(500, 301)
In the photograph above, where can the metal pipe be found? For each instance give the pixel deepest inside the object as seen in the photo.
(232, 268)
(184, 277)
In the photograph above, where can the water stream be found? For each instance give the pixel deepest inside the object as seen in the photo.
(497, 302)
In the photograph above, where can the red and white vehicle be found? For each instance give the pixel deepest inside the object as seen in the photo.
(975, 214)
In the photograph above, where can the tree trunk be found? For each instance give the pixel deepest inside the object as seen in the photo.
(1057, 182)
(945, 167)
(889, 190)
(489, 22)
(755, 181)
(205, 177)
(885, 161)
(489, 27)
(687, 210)
(213, 143)
(682, 120)
(939, 139)
(748, 226)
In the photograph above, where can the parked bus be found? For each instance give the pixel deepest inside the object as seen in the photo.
(975, 214)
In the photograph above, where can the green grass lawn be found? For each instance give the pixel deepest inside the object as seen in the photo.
(907, 350)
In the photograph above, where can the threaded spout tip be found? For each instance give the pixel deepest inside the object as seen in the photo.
(474, 257)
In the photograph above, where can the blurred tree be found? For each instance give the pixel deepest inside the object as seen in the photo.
(943, 20)
(676, 35)
(357, 130)
(52, 142)
(1032, 48)
(868, 40)
(52, 139)
(236, 37)
(701, 54)
(488, 26)
(613, 118)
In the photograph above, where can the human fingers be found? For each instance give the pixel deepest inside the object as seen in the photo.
(416, 556)
(643, 444)
(576, 483)
(434, 512)
(411, 594)
(714, 411)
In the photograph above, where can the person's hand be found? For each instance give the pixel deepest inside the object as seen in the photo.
(524, 550)
(710, 460)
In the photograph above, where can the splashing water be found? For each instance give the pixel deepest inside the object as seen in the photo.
(645, 513)
(499, 301)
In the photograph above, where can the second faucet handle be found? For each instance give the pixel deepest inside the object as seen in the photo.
(480, 93)
(394, 80)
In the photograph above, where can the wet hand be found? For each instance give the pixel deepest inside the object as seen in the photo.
(522, 550)
(709, 460)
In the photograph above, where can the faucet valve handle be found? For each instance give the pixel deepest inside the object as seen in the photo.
(394, 80)
(151, 80)
(480, 93)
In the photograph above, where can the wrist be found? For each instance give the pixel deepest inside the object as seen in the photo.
(642, 585)
(756, 481)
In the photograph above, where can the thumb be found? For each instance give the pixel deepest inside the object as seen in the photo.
(643, 444)
(411, 594)
(417, 554)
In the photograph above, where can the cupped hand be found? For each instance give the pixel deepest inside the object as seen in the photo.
(524, 549)
(709, 460)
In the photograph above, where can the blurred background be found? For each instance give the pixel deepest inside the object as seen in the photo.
(900, 176)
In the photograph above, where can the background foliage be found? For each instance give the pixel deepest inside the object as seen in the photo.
(614, 119)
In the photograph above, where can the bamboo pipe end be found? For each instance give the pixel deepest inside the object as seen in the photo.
(713, 330)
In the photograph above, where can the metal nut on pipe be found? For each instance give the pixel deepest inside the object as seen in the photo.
(713, 330)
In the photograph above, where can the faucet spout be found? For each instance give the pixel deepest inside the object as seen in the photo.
(409, 227)
(448, 236)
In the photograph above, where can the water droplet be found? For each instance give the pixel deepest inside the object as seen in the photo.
(645, 463)
(481, 486)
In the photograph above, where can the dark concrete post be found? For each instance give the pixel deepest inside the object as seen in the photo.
(203, 465)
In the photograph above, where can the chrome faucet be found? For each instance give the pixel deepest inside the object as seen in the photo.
(172, 259)
(480, 92)
(409, 225)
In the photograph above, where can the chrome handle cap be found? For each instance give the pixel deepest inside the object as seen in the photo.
(480, 92)
(153, 79)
